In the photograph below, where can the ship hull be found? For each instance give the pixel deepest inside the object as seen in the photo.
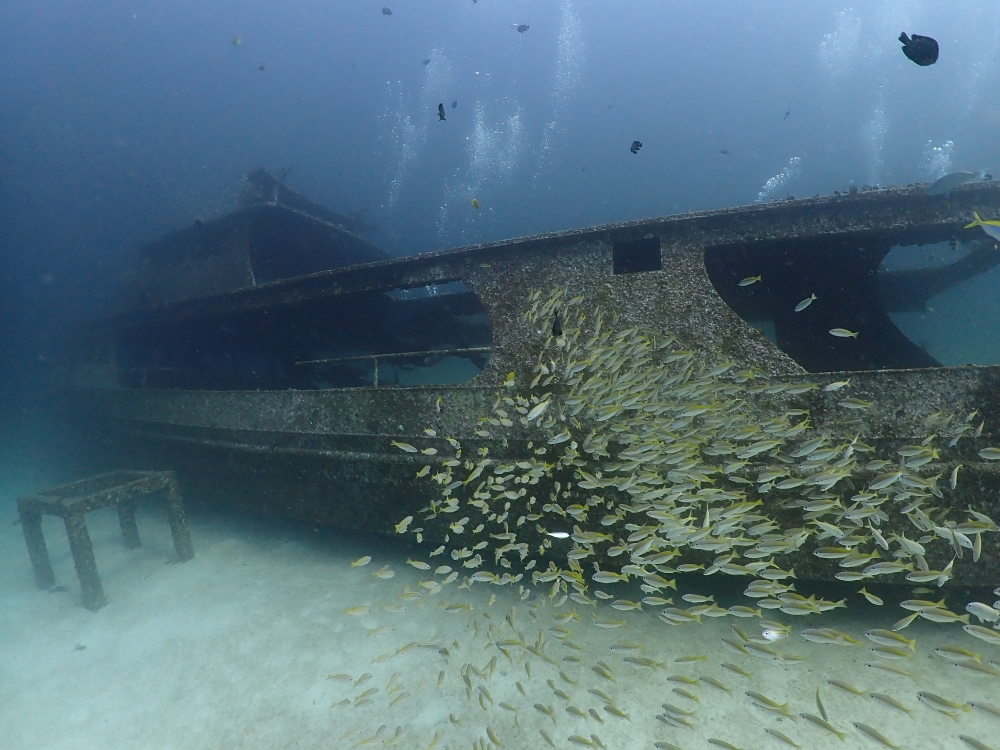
(330, 456)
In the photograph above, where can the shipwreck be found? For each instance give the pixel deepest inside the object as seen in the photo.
(277, 360)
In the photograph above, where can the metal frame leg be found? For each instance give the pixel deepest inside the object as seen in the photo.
(31, 524)
(83, 559)
(178, 524)
(126, 520)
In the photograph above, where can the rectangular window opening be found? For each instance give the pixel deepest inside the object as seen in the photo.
(637, 256)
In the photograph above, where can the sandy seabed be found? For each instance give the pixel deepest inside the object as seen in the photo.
(248, 645)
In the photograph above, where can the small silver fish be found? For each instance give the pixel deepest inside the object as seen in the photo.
(821, 707)
(723, 744)
(973, 742)
(846, 686)
(783, 737)
(986, 707)
(875, 735)
(890, 701)
(822, 723)
(843, 333)
(805, 303)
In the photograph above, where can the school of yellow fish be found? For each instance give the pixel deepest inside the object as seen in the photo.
(641, 460)
(513, 673)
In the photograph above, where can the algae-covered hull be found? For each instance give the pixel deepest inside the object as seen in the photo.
(603, 382)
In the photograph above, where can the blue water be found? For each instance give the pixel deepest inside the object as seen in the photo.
(123, 120)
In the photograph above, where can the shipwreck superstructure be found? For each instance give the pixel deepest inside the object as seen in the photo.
(273, 357)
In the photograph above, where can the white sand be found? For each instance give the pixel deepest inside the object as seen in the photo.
(233, 649)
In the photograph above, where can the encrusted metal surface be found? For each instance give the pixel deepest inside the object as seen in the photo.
(72, 502)
(324, 456)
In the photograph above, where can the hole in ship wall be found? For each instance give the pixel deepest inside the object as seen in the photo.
(943, 297)
(853, 289)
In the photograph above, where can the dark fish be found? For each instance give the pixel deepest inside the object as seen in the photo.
(386, 12)
(261, 68)
(427, 61)
(441, 111)
(956, 179)
(522, 27)
(636, 145)
(920, 49)
(724, 152)
(454, 104)
(198, 224)
(786, 115)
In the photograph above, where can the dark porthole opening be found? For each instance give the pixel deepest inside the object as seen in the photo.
(434, 334)
(637, 256)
